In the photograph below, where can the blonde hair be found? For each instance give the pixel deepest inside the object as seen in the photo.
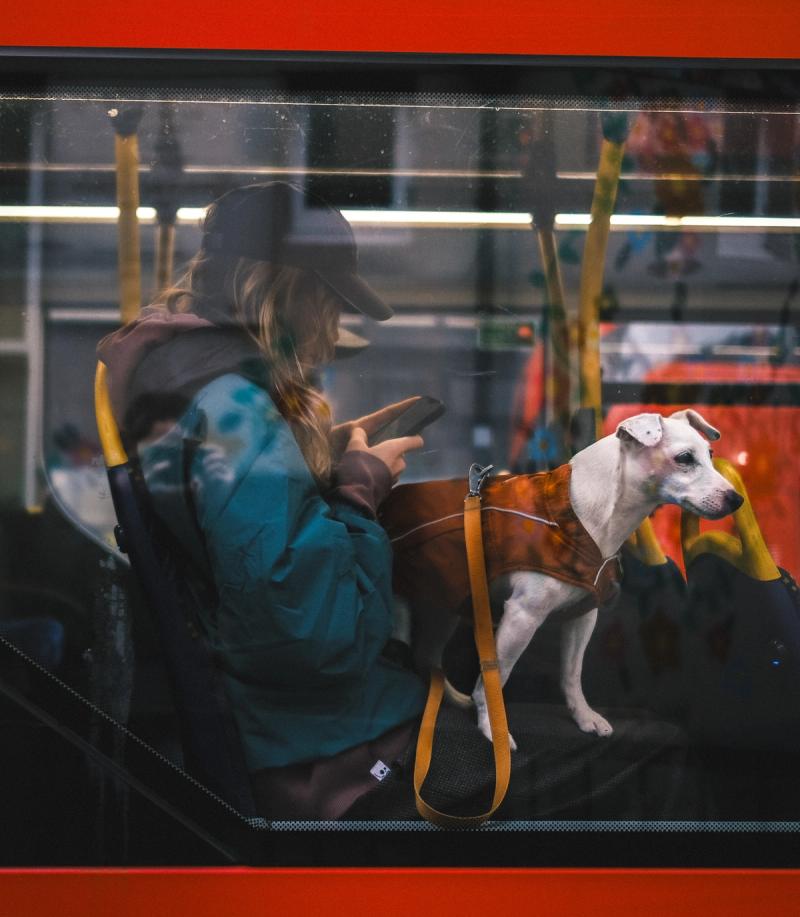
(292, 316)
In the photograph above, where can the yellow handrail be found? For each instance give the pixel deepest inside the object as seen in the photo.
(127, 157)
(125, 121)
(645, 545)
(748, 552)
(165, 253)
(110, 440)
(592, 270)
(558, 383)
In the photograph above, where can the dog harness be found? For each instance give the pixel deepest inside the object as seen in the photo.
(528, 524)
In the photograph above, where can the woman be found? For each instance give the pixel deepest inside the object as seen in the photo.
(274, 507)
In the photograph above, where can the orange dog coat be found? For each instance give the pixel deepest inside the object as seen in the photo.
(528, 524)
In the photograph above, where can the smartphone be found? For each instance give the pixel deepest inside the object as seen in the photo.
(416, 417)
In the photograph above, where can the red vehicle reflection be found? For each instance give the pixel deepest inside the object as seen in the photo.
(754, 438)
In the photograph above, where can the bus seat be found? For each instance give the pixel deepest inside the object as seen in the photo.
(212, 748)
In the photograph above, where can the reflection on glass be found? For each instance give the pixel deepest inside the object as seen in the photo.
(555, 267)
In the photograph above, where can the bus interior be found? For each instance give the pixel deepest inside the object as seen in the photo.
(564, 246)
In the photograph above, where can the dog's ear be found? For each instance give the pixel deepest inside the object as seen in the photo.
(644, 429)
(698, 422)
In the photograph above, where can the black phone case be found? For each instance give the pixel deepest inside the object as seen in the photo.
(415, 418)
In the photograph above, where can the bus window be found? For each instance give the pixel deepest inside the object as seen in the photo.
(231, 617)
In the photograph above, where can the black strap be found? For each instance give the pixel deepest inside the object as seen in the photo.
(199, 581)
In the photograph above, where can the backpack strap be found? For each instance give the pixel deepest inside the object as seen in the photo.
(490, 672)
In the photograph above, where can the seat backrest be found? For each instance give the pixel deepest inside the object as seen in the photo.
(212, 747)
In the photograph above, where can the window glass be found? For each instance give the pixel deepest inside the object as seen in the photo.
(604, 272)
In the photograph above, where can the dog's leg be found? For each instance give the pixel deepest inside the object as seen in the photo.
(514, 634)
(575, 634)
(532, 599)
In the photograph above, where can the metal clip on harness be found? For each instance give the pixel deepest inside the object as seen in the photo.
(477, 475)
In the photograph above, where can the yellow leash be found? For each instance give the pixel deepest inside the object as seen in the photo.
(490, 671)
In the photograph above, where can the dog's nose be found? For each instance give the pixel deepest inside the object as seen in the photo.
(733, 501)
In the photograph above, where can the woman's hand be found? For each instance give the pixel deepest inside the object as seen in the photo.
(340, 434)
(391, 451)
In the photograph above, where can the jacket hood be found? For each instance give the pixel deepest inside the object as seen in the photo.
(157, 362)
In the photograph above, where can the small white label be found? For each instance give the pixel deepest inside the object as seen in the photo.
(380, 771)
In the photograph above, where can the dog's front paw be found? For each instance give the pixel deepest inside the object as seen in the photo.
(589, 720)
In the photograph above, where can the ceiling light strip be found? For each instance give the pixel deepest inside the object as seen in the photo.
(432, 219)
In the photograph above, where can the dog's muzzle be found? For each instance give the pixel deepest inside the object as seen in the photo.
(733, 501)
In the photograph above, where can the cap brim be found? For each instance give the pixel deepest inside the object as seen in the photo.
(349, 344)
(358, 294)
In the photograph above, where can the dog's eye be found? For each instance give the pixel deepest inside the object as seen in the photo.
(685, 458)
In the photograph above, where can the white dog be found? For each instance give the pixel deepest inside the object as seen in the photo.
(614, 486)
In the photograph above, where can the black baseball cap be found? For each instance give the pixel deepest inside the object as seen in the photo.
(284, 224)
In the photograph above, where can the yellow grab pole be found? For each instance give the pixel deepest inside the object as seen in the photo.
(126, 149)
(645, 545)
(165, 253)
(558, 379)
(166, 176)
(615, 130)
(540, 188)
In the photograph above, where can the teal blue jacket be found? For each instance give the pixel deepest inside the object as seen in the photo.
(304, 583)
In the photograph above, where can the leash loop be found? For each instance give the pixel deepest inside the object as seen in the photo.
(490, 669)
